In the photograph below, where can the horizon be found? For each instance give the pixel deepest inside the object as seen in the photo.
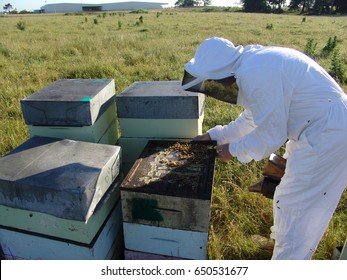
(21, 5)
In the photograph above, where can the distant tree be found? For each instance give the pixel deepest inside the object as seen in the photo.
(319, 6)
(341, 6)
(255, 6)
(8, 7)
(187, 3)
(24, 12)
(278, 3)
(207, 2)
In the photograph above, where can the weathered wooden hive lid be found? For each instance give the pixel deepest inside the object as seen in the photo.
(64, 178)
(159, 100)
(69, 102)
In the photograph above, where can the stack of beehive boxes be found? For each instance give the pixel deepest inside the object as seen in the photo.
(76, 109)
(156, 110)
(60, 198)
(160, 111)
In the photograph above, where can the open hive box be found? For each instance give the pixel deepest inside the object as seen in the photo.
(166, 199)
(174, 168)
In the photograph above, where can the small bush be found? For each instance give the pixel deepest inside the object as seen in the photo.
(329, 47)
(269, 26)
(139, 11)
(337, 69)
(120, 24)
(140, 21)
(95, 21)
(21, 25)
(310, 48)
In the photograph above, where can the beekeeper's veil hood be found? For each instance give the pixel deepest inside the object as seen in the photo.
(214, 60)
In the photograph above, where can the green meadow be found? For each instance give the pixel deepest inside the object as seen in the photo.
(36, 50)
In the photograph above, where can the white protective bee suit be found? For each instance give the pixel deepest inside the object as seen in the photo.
(286, 96)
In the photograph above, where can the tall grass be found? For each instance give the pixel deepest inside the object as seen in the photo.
(58, 46)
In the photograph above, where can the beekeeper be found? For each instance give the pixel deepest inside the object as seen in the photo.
(287, 99)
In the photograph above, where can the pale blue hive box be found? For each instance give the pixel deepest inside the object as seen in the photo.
(160, 109)
(60, 199)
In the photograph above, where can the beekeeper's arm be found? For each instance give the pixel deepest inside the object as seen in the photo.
(262, 128)
(234, 130)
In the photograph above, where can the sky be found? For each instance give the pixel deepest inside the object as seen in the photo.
(31, 5)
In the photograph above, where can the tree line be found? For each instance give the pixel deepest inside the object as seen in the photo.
(264, 6)
(319, 6)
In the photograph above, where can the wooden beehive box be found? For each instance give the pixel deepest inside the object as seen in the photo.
(160, 109)
(76, 109)
(69, 102)
(103, 131)
(60, 199)
(107, 243)
(83, 232)
(170, 185)
(166, 199)
(61, 177)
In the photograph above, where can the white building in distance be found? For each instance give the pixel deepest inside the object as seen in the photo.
(72, 7)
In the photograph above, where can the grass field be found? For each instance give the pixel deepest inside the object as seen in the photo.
(36, 50)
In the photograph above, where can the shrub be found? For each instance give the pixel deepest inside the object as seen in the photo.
(21, 25)
(139, 11)
(310, 48)
(337, 69)
(330, 46)
(269, 26)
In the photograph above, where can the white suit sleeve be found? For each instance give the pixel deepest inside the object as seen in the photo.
(235, 130)
(263, 96)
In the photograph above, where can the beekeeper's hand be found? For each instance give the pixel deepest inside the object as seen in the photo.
(203, 137)
(223, 152)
